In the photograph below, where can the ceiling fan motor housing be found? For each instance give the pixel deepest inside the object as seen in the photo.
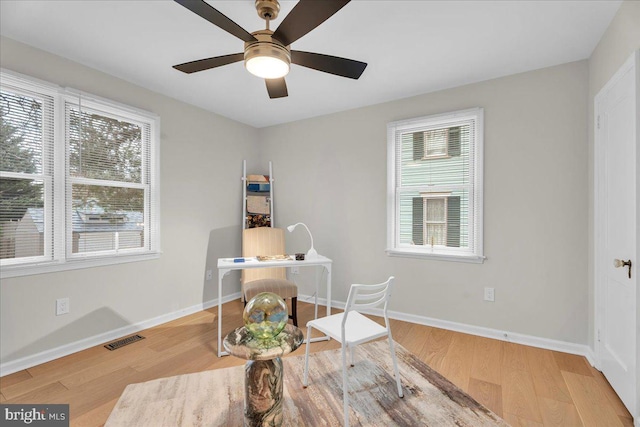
(267, 9)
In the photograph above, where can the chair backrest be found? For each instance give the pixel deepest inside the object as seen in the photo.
(369, 296)
(263, 241)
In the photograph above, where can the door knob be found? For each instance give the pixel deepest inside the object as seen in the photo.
(622, 263)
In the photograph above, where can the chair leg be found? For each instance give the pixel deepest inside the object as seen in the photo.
(305, 379)
(294, 311)
(395, 366)
(345, 390)
(351, 354)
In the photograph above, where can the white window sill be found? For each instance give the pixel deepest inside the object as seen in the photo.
(8, 271)
(412, 253)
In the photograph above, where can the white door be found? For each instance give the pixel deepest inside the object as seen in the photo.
(616, 232)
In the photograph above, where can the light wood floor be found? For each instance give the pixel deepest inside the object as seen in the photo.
(526, 386)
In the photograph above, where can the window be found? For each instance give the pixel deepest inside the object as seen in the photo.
(26, 172)
(431, 226)
(435, 186)
(436, 142)
(78, 179)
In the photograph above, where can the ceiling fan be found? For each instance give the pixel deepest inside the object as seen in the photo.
(267, 53)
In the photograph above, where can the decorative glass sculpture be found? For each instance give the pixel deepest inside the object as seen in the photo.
(265, 315)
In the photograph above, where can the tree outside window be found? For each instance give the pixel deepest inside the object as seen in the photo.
(77, 179)
(22, 135)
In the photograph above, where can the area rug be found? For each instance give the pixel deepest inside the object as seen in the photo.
(215, 398)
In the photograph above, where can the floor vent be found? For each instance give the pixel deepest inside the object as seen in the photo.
(124, 341)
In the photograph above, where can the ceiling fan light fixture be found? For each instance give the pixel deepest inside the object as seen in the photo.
(267, 60)
(266, 57)
(267, 67)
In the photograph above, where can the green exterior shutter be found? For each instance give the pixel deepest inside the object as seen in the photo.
(418, 145)
(418, 221)
(453, 221)
(454, 141)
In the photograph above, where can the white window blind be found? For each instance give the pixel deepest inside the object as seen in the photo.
(109, 200)
(435, 186)
(78, 179)
(26, 172)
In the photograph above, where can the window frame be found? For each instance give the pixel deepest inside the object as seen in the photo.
(394, 130)
(107, 109)
(31, 87)
(58, 223)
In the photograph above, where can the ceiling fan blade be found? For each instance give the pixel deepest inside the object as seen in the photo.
(329, 64)
(277, 88)
(207, 63)
(204, 10)
(304, 17)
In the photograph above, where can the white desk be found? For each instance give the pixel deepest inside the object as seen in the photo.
(225, 265)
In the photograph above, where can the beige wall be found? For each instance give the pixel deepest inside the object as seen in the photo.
(332, 175)
(201, 165)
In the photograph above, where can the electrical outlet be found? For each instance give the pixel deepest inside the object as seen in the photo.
(62, 306)
(209, 275)
(295, 270)
(489, 294)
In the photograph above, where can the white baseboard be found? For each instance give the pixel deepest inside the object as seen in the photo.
(592, 358)
(55, 353)
(549, 344)
(64, 350)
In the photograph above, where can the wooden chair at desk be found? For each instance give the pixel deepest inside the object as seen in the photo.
(267, 241)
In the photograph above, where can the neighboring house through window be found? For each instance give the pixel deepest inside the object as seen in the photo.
(78, 179)
(435, 186)
(436, 220)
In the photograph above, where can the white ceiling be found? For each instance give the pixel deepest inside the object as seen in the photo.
(412, 47)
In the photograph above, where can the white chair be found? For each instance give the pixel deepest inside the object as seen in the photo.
(352, 328)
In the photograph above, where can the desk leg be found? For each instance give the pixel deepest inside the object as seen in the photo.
(220, 277)
(221, 274)
(328, 268)
(263, 393)
(325, 337)
(315, 308)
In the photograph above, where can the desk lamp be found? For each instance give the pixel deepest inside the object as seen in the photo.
(311, 254)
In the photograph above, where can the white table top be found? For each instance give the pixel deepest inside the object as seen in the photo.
(252, 262)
